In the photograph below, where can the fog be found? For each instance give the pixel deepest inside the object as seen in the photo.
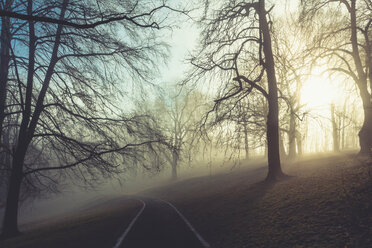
(148, 96)
(73, 198)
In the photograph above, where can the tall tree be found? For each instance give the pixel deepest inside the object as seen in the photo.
(345, 41)
(179, 112)
(335, 130)
(237, 45)
(69, 89)
(5, 38)
(291, 68)
(246, 119)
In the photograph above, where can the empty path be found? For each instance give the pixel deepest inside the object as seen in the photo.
(159, 224)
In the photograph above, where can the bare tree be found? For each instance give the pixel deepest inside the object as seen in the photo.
(5, 38)
(344, 40)
(236, 45)
(291, 67)
(246, 119)
(343, 124)
(178, 112)
(335, 130)
(69, 89)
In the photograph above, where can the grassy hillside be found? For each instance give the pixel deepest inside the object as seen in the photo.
(326, 203)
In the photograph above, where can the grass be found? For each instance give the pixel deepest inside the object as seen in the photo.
(328, 203)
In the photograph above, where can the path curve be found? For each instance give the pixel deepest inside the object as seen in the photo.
(160, 224)
(122, 237)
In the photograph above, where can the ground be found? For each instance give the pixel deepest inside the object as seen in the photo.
(95, 227)
(327, 202)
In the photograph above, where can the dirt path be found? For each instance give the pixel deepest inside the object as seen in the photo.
(160, 224)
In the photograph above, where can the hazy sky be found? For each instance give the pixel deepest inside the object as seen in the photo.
(184, 40)
(318, 92)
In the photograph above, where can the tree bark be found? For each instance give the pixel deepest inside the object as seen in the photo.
(27, 130)
(10, 227)
(292, 136)
(174, 165)
(335, 130)
(299, 143)
(282, 152)
(5, 38)
(275, 170)
(365, 134)
(246, 144)
(343, 127)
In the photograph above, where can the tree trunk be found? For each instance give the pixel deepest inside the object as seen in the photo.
(5, 165)
(365, 133)
(174, 165)
(325, 142)
(299, 143)
(27, 129)
(246, 144)
(275, 170)
(335, 134)
(343, 128)
(4, 61)
(10, 222)
(5, 157)
(292, 136)
(282, 152)
(174, 172)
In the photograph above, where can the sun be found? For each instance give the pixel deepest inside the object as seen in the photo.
(319, 91)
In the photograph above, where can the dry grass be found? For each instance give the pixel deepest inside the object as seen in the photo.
(327, 204)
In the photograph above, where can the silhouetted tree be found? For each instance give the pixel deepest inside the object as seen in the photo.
(335, 130)
(70, 64)
(245, 119)
(236, 45)
(344, 33)
(5, 43)
(179, 112)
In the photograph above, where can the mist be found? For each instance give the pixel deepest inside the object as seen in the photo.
(191, 123)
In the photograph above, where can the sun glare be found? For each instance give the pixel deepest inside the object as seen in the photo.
(319, 91)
